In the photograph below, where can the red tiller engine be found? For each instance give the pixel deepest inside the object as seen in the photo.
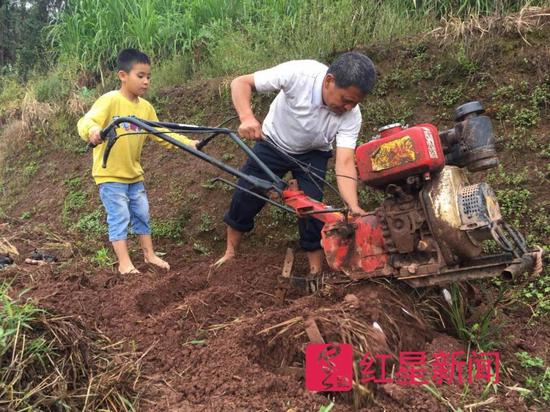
(433, 222)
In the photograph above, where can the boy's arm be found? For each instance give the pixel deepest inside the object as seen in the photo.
(179, 137)
(92, 122)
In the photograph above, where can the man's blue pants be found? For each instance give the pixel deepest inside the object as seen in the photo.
(244, 207)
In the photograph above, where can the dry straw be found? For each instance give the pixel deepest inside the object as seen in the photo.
(526, 20)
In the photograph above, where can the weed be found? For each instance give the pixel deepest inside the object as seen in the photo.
(513, 204)
(540, 96)
(92, 224)
(537, 295)
(447, 96)
(371, 198)
(206, 224)
(30, 169)
(228, 156)
(526, 118)
(200, 248)
(505, 92)
(168, 228)
(480, 333)
(326, 408)
(102, 257)
(538, 377)
(74, 201)
(52, 88)
(26, 215)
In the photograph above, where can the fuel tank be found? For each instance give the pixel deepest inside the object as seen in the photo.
(399, 153)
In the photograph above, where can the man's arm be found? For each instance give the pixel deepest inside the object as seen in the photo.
(241, 94)
(346, 177)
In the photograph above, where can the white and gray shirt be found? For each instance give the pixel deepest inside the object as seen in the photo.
(298, 121)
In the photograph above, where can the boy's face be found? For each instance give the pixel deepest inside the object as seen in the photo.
(137, 80)
(338, 99)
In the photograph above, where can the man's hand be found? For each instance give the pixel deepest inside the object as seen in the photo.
(94, 136)
(250, 128)
(357, 211)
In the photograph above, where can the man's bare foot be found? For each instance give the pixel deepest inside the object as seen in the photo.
(129, 270)
(155, 260)
(224, 259)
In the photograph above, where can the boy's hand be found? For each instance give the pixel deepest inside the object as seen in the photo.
(193, 143)
(94, 136)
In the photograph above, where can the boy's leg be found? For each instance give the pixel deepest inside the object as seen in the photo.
(139, 216)
(115, 201)
(244, 207)
(310, 228)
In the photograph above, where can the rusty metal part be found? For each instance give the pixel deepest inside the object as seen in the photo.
(504, 265)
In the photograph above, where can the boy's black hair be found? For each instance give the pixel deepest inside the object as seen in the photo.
(128, 57)
(353, 69)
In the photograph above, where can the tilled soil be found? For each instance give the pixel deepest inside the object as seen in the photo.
(201, 331)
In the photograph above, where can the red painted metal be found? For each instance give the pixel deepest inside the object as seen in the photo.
(353, 244)
(400, 153)
(356, 245)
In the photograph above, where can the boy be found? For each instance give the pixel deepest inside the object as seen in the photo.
(121, 182)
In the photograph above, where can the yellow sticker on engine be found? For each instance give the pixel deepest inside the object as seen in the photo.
(392, 154)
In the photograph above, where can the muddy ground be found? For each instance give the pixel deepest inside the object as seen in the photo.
(201, 330)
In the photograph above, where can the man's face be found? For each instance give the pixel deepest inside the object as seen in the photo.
(340, 100)
(137, 81)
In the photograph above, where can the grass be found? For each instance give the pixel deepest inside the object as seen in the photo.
(482, 333)
(51, 363)
(218, 37)
(537, 377)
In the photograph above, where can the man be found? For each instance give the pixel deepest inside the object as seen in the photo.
(315, 107)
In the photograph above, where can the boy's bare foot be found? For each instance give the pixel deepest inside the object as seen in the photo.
(155, 260)
(130, 270)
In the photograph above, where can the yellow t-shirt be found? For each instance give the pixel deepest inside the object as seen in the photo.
(123, 165)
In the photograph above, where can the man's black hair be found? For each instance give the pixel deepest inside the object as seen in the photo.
(353, 69)
(128, 57)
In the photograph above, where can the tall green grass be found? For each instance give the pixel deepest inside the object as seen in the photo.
(219, 36)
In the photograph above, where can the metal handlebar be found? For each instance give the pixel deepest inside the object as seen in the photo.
(275, 183)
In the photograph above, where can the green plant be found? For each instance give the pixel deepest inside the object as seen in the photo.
(326, 408)
(92, 224)
(30, 169)
(480, 333)
(200, 248)
(102, 257)
(538, 377)
(526, 118)
(169, 228)
(206, 224)
(537, 295)
(26, 215)
(52, 88)
(73, 202)
(513, 203)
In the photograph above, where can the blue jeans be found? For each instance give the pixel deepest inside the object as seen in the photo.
(244, 207)
(125, 204)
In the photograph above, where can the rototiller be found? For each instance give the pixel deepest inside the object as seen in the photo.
(432, 225)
